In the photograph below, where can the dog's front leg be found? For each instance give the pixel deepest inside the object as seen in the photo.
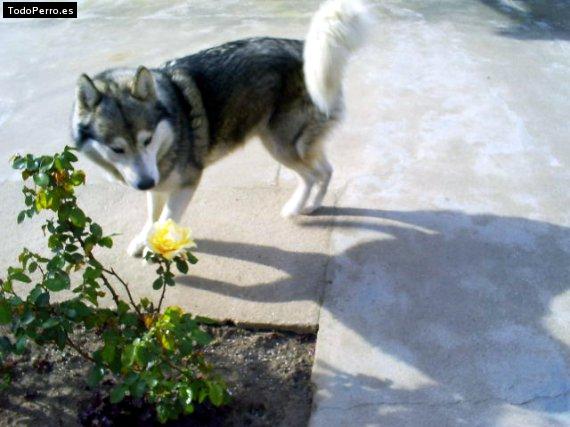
(155, 204)
(177, 203)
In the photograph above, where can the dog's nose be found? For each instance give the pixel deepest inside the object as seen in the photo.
(145, 183)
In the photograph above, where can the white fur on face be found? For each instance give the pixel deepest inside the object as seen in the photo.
(142, 160)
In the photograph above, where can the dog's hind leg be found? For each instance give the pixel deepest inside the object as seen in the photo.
(287, 154)
(297, 203)
(324, 170)
(155, 204)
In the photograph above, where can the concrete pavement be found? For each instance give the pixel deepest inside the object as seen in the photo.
(449, 303)
(438, 274)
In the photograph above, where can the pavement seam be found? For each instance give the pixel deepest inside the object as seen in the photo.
(448, 403)
(328, 275)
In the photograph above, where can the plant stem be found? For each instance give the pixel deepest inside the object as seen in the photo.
(161, 298)
(163, 289)
(78, 349)
(112, 290)
(126, 286)
(105, 280)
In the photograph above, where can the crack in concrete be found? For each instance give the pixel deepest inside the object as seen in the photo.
(328, 277)
(327, 274)
(448, 403)
(532, 399)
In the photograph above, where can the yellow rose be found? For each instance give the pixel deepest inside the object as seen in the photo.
(169, 239)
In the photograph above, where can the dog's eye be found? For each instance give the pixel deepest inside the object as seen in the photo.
(147, 141)
(118, 150)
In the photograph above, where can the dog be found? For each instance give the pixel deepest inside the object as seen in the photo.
(157, 129)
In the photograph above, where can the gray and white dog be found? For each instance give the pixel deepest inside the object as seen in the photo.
(157, 129)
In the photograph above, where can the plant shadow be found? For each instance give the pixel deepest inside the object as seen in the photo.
(472, 303)
(534, 19)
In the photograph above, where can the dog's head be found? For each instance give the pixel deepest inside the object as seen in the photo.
(120, 123)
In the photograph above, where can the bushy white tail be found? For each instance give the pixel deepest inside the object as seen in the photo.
(337, 29)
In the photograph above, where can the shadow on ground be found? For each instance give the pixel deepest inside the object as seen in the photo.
(534, 19)
(472, 302)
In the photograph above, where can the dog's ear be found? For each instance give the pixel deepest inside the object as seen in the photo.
(143, 85)
(88, 95)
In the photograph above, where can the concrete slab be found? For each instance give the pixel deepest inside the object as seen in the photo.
(450, 279)
(255, 268)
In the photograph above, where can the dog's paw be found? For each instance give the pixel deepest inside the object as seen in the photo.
(137, 247)
(289, 211)
(310, 209)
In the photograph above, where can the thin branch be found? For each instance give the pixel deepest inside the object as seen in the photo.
(41, 269)
(105, 280)
(163, 289)
(161, 297)
(126, 286)
(78, 349)
(112, 290)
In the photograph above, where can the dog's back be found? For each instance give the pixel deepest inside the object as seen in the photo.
(243, 82)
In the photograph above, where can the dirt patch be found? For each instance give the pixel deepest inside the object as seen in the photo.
(268, 374)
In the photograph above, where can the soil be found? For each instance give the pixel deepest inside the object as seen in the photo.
(267, 372)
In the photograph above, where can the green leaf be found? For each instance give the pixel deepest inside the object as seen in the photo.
(50, 323)
(56, 263)
(202, 395)
(95, 376)
(216, 393)
(128, 356)
(56, 284)
(186, 396)
(7, 286)
(54, 242)
(68, 155)
(157, 284)
(33, 267)
(5, 345)
(77, 217)
(77, 178)
(191, 258)
(42, 300)
(95, 263)
(181, 265)
(27, 318)
(21, 344)
(205, 320)
(129, 319)
(21, 277)
(59, 163)
(201, 337)
(138, 389)
(142, 355)
(96, 231)
(19, 162)
(5, 312)
(118, 393)
(162, 413)
(108, 353)
(21, 217)
(46, 163)
(34, 293)
(64, 211)
(41, 179)
(106, 242)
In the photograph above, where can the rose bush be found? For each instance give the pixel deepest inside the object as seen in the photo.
(150, 353)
